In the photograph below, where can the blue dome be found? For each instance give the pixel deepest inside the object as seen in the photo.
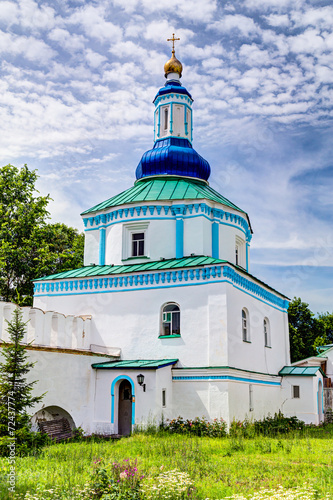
(172, 87)
(173, 156)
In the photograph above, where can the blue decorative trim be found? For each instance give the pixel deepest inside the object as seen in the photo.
(219, 215)
(247, 256)
(215, 240)
(160, 279)
(122, 377)
(176, 98)
(102, 246)
(225, 377)
(179, 237)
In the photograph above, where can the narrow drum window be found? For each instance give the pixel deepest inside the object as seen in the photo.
(244, 326)
(171, 320)
(163, 398)
(267, 333)
(138, 244)
(237, 255)
(166, 113)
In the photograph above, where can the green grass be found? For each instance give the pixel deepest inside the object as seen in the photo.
(218, 467)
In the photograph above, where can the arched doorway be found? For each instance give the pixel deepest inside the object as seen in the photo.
(125, 408)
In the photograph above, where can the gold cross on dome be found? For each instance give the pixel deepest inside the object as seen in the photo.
(173, 39)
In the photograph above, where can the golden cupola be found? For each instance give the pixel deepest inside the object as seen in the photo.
(173, 65)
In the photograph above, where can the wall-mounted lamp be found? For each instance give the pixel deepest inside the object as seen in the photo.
(141, 379)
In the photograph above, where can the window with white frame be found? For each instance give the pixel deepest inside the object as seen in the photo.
(170, 319)
(295, 392)
(245, 326)
(135, 240)
(267, 333)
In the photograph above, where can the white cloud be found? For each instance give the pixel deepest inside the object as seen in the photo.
(237, 22)
(68, 41)
(33, 49)
(94, 59)
(92, 20)
(193, 10)
(8, 12)
(277, 20)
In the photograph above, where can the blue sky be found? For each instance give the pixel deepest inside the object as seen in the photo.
(78, 78)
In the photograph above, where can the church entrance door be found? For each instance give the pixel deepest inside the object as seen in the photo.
(125, 408)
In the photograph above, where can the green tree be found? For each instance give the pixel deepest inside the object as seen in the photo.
(16, 394)
(30, 247)
(306, 332)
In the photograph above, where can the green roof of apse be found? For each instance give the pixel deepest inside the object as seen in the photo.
(149, 364)
(131, 268)
(163, 189)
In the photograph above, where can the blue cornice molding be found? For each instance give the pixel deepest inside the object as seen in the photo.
(121, 214)
(160, 279)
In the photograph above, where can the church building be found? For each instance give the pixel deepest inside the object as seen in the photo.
(165, 317)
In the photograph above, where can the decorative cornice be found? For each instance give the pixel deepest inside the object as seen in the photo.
(165, 97)
(186, 210)
(160, 279)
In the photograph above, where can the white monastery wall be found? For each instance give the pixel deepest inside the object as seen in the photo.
(49, 328)
(254, 400)
(253, 355)
(68, 382)
(91, 247)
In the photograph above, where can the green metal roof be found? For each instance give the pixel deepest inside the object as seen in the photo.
(142, 364)
(164, 189)
(131, 268)
(309, 371)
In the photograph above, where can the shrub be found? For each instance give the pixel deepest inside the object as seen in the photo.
(170, 485)
(279, 424)
(116, 480)
(197, 427)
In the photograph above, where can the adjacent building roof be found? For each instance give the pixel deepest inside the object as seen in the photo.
(142, 364)
(309, 371)
(164, 188)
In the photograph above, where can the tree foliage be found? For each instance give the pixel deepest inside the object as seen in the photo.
(16, 394)
(29, 246)
(306, 331)
(15, 391)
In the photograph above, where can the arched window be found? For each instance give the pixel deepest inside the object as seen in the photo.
(245, 326)
(267, 333)
(170, 319)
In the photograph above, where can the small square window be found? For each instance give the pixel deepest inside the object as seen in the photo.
(296, 391)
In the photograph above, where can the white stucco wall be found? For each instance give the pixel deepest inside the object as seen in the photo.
(254, 355)
(68, 382)
(307, 406)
